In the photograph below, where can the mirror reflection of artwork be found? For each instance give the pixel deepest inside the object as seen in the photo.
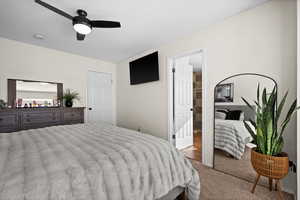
(36, 94)
(224, 92)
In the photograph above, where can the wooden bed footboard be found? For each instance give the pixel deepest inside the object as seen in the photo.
(182, 196)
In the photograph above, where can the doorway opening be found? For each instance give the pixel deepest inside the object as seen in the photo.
(186, 100)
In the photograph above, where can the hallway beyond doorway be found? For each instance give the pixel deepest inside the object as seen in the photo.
(194, 152)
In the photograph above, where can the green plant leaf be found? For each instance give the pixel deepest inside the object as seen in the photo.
(264, 97)
(258, 95)
(272, 100)
(278, 146)
(288, 117)
(291, 110)
(280, 107)
(269, 133)
(260, 141)
(253, 124)
(259, 134)
(71, 95)
(258, 106)
(262, 122)
(250, 130)
(268, 138)
(271, 112)
(248, 104)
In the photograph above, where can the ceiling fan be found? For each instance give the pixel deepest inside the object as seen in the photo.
(81, 23)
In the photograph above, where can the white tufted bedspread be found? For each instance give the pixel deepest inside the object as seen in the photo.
(91, 162)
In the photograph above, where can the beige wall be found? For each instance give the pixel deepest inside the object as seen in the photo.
(260, 40)
(28, 62)
(246, 86)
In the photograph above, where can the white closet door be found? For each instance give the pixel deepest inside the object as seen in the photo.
(183, 102)
(100, 97)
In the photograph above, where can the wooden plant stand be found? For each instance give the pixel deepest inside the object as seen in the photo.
(277, 186)
(272, 167)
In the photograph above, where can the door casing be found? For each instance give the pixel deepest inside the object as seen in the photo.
(206, 150)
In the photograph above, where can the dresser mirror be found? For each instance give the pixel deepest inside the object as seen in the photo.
(33, 94)
(232, 141)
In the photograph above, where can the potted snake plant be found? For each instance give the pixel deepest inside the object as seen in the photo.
(268, 158)
(69, 97)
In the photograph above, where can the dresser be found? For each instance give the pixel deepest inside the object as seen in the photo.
(12, 120)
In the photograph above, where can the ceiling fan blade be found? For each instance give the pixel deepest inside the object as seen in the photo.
(105, 24)
(80, 37)
(60, 12)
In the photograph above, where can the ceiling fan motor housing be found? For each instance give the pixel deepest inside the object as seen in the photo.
(82, 13)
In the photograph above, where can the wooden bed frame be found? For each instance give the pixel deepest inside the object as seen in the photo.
(177, 193)
(182, 196)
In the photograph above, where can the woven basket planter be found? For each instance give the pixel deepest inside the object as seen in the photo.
(274, 167)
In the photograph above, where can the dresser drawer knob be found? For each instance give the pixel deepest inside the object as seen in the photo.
(1, 119)
(28, 120)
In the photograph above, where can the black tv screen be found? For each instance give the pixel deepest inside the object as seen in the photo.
(144, 69)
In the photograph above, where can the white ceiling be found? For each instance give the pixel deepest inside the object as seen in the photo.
(146, 24)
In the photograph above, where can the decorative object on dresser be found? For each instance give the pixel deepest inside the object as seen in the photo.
(2, 104)
(69, 97)
(267, 158)
(30, 118)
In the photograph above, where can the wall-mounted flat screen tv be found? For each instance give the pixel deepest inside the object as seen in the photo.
(145, 69)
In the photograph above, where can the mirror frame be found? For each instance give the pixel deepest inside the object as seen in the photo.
(12, 91)
(214, 107)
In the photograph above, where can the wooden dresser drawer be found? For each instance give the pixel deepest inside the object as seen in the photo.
(8, 122)
(38, 119)
(73, 116)
(12, 120)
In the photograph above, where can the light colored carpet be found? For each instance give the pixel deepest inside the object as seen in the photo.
(239, 168)
(216, 185)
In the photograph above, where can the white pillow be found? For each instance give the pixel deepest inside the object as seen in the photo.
(220, 115)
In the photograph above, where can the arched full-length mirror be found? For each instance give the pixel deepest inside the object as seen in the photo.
(232, 141)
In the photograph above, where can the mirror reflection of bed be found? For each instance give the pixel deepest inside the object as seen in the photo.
(232, 141)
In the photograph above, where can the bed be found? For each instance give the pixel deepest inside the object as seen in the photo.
(231, 136)
(92, 162)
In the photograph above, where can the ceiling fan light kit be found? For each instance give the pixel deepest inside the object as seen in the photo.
(82, 28)
(81, 24)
